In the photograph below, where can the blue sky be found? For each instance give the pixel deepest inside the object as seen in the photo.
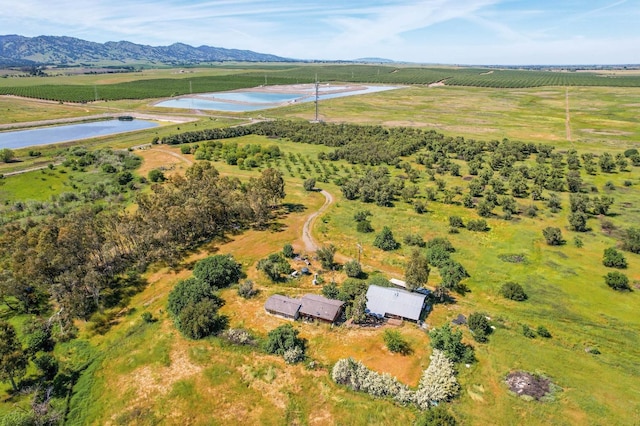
(429, 31)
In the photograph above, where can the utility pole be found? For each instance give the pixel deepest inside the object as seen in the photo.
(317, 98)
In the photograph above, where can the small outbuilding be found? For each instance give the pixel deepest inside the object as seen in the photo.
(283, 306)
(395, 303)
(398, 283)
(317, 307)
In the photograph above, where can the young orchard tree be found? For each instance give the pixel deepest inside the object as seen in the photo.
(385, 241)
(309, 184)
(617, 281)
(553, 236)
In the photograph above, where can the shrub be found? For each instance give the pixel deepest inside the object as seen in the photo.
(440, 242)
(479, 225)
(309, 184)
(353, 269)
(513, 291)
(617, 281)
(274, 266)
(543, 332)
(631, 240)
(156, 175)
(528, 332)
(239, 336)
(364, 227)
(288, 252)
(357, 377)
(414, 240)
(326, 255)
(201, 319)
(282, 339)
(578, 221)
(293, 355)
(187, 292)
(553, 236)
(246, 290)
(419, 206)
(385, 241)
(438, 382)
(450, 342)
(362, 215)
(436, 416)
(330, 290)
(479, 326)
(147, 317)
(456, 222)
(395, 342)
(612, 258)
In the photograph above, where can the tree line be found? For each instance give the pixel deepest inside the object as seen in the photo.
(81, 260)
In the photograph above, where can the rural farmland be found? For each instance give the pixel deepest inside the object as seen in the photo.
(510, 198)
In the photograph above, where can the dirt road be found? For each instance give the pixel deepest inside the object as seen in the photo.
(310, 244)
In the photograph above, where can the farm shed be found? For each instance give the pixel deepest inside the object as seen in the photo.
(398, 283)
(283, 306)
(318, 307)
(395, 303)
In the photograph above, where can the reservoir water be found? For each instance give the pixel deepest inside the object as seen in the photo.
(266, 97)
(70, 132)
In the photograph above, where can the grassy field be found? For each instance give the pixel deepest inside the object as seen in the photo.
(567, 296)
(149, 374)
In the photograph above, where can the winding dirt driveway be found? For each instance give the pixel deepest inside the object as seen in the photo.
(310, 244)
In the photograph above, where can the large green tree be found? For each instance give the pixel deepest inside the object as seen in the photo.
(416, 273)
(274, 266)
(13, 360)
(219, 271)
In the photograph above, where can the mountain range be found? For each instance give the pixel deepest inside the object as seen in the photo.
(16, 50)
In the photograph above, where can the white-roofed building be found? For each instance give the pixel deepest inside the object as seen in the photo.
(395, 302)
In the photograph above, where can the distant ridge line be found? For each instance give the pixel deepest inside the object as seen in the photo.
(16, 50)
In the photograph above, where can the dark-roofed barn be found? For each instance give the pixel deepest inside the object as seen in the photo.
(320, 308)
(283, 306)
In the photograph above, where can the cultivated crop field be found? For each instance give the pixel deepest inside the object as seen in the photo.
(142, 86)
(131, 371)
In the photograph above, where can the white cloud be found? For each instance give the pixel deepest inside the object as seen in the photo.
(500, 31)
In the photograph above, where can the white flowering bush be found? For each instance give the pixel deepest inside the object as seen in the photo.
(293, 355)
(438, 382)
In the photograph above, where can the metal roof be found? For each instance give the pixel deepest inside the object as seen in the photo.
(398, 282)
(283, 305)
(394, 301)
(317, 306)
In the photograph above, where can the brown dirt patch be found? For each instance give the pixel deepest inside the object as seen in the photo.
(168, 160)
